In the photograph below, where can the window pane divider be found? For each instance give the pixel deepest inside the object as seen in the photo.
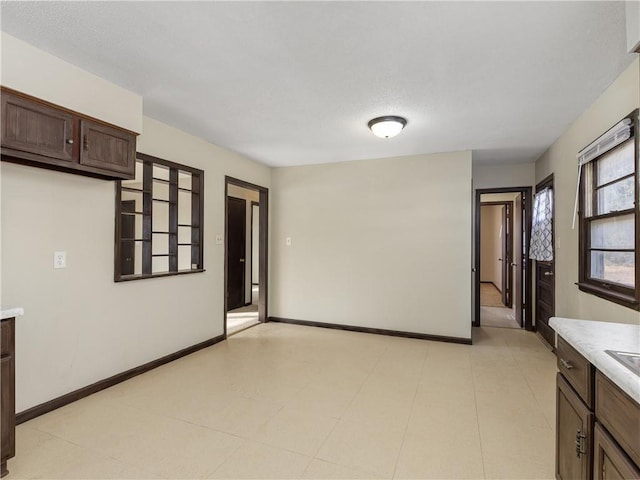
(619, 179)
(616, 213)
(136, 190)
(163, 255)
(162, 180)
(624, 250)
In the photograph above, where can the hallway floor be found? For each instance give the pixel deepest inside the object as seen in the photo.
(288, 401)
(244, 317)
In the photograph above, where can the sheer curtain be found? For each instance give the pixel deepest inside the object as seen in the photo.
(541, 247)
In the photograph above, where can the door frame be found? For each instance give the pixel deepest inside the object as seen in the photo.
(254, 204)
(526, 210)
(506, 250)
(263, 247)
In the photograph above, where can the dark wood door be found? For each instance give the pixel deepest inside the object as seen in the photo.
(507, 254)
(128, 233)
(516, 265)
(574, 424)
(545, 300)
(108, 148)
(35, 128)
(236, 247)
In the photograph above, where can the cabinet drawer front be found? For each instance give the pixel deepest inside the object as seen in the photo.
(620, 415)
(610, 462)
(34, 128)
(108, 148)
(577, 370)
(6, 337)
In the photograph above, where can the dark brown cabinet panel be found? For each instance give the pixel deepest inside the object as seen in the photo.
(7, 394)
(34, 128)
(574, 424)
(35, 132)
(107, 148)
(619, 414)
(610, 461)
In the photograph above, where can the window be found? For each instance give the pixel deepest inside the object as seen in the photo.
(159, 220)
(609, 215)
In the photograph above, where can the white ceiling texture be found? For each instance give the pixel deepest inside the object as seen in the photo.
(294, 83)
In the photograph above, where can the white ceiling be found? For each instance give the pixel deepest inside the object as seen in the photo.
(293, 83)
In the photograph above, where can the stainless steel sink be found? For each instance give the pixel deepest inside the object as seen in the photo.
(628, 359)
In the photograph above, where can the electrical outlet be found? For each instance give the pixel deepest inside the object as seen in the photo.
(59, 259)
(218, 239)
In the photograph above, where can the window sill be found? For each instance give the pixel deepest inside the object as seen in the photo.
(613, 296)
(127, 278)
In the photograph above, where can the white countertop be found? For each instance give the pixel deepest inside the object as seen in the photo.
(592, 338)
(10, 312)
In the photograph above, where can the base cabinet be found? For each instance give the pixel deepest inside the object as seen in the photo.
(597, 424)
(610, 461)
(7, 393)
(574, 425)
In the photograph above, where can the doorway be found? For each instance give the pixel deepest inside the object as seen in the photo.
(503, 277)
(246, 233)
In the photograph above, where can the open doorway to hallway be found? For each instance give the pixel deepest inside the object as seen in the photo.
(503, 285)
(245, 255)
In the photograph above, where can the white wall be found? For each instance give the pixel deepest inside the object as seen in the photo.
(79, 326)
(491, 244)
(498, 176)
(380, 243)
(30, 70)
(618, 100)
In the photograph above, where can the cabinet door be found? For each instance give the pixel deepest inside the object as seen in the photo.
(34, 128)
(610, 462)
(7, 408)
(574, 423)
(108, 149)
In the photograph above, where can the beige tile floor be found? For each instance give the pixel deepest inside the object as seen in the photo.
(287, 401)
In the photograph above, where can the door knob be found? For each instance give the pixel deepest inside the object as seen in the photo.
(242, 260)
(514, 264)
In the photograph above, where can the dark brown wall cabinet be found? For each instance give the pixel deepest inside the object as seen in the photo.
(38, 133)
(7, 393)
(597, 424)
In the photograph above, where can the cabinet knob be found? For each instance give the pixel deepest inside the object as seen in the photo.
(70, 141)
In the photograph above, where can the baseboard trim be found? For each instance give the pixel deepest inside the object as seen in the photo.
(83, 392)
(376, 331)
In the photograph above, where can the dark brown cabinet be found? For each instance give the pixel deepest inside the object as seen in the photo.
(7, 393)
(597, 424)
(611, 463)
(573, 434)
(41, 134)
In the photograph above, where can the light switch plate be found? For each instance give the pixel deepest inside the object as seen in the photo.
(59, 259)
(218, 239)
(287, 241)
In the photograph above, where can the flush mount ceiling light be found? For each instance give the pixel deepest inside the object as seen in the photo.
(387, 127)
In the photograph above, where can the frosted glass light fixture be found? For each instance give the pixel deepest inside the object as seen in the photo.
(387, 127)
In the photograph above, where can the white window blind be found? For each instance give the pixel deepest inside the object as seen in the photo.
(608, 140)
